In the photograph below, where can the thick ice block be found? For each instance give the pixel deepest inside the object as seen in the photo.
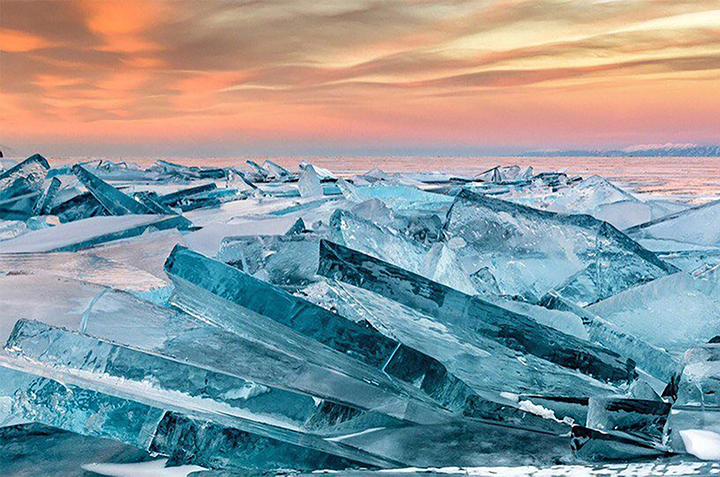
(437, 262)
(175, 199)
(500, 377)
(45, 202)
(361, 341)
(639, 418)
(445, 304)
(24, 178)
(309, 183)
(82, 206)
(112, 199)
(278, 259)
(674, 313)
(257, 350)
(531, 251)
(188, 385)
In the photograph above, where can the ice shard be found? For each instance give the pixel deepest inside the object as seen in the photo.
(436, 262)
(89, 412)
(445, 304)
(87, 233)
(189, 386)
(277, 259)
(81, 206)
(674, 312)
(530, 251)
(309, 183)
(255, 350)
(505, 386)
(44, 203)
(114, 201)
(24, 178)
(175, 199)
(21, 188)
(359, 340)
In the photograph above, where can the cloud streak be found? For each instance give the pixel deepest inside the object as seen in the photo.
(461, 72)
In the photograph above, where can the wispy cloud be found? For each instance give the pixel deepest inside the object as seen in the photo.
(469, 72)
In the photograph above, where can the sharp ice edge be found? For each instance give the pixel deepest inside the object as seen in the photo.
(471, 320)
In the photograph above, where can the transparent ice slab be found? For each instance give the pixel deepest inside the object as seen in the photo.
(45, 202)
(309, 183)
(674, 312)
(81, 206)
(531, 251)
(114, 201)
(86, 233)
(262, 354)
(437, 262)
(498, 375)
(187, 385)
(594, 445)
(359, 340)
(26, 177)
(447, 305)
(72, 407)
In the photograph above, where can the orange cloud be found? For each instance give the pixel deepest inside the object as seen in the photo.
(16, 41)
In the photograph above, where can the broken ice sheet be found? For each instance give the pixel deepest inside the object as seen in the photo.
(530, 251)
(361, 341)
(21, 187)
(269, 355)
(72, 407)
(447, 305)
(86, 233)
(496, 373)
(172, 384)
(397, 197)
(674, 312)
(696, 226)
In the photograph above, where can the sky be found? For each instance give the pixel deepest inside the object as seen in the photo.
(206, 78)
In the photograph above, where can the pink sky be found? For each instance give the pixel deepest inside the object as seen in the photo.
(232, 77)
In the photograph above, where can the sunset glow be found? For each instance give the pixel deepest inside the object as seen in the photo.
(227, 77)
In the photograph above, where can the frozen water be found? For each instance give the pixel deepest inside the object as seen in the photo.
(260, 317)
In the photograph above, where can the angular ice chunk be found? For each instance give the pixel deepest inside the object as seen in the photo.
(81, 206)
(698, 226)
(44, 203)
(531, 251)
(253, 349)
(360, 341)
(278, 259)
(674, 312)
(448, 305)
(437, 263)
(112, 199)
(24, 178)
(191, 387)
(309, 183)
